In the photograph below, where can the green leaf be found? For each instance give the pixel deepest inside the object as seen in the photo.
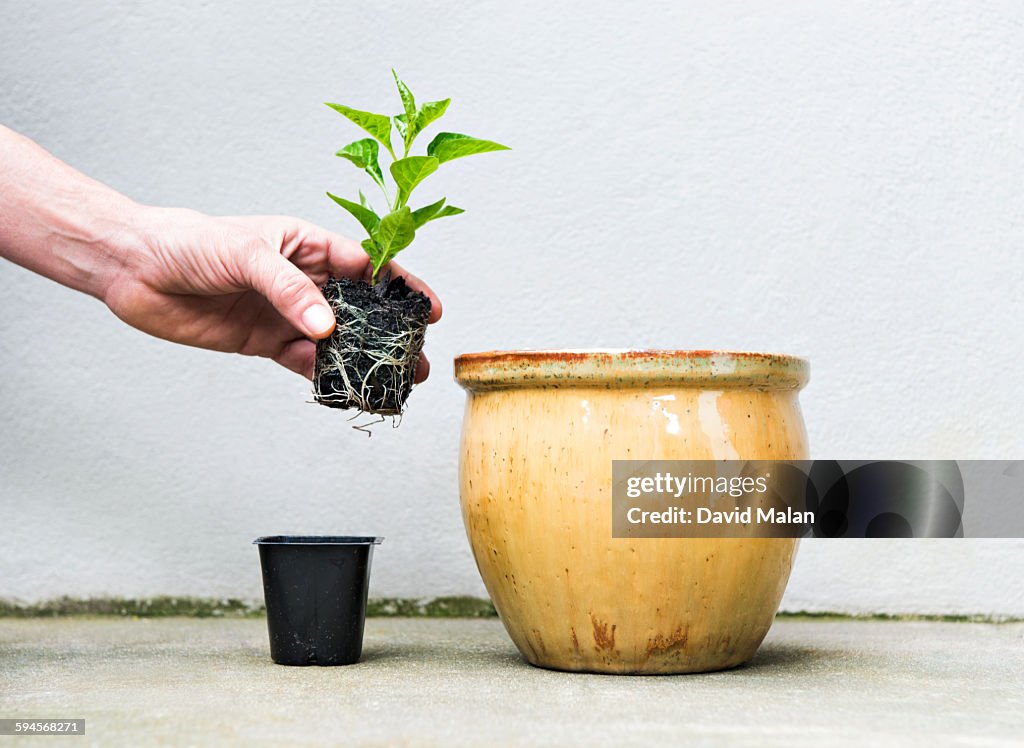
(373, 251)
(432, 212)
(365, 203)
(409, 172)
(369, 220)
(413, 121)
(378, 125)
(402, 125)
(447, 146)
(410, 111)
(396, 232)
(448, 210)
(427, 114)
(421, 215)
(407, 98)
(363, 153)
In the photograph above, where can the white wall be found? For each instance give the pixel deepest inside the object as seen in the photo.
(837, 180)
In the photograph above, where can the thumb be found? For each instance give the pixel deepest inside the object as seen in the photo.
(291, 292)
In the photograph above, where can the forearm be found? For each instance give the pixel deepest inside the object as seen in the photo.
(60, 223)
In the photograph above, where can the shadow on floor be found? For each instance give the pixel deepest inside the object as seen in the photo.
(775, 657)
(780, 657)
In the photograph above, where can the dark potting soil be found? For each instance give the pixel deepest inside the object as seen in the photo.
(369, 361)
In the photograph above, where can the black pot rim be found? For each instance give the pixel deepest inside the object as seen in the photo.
(317, 540)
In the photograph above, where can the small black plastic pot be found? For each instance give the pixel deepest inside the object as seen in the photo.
(315, 587)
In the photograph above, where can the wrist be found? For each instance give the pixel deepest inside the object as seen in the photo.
(61, 224)
(102, 246)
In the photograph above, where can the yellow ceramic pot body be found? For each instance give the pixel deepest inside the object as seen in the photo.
(540, 432)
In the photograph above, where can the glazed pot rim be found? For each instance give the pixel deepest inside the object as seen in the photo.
(608, 367)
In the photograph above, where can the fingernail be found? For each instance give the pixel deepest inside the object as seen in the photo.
(318, 319)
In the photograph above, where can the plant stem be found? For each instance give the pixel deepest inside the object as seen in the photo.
(384, 189)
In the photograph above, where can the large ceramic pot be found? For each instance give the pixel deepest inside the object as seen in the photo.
(540, 432)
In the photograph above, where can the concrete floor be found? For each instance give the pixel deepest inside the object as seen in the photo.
(460, 682)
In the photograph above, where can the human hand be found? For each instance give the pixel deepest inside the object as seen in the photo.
(247, 284)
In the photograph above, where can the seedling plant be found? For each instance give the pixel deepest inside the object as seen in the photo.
(369, 361)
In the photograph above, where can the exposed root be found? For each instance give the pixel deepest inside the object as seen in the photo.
(365, 427)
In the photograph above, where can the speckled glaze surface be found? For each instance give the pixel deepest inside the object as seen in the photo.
(540, 432)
